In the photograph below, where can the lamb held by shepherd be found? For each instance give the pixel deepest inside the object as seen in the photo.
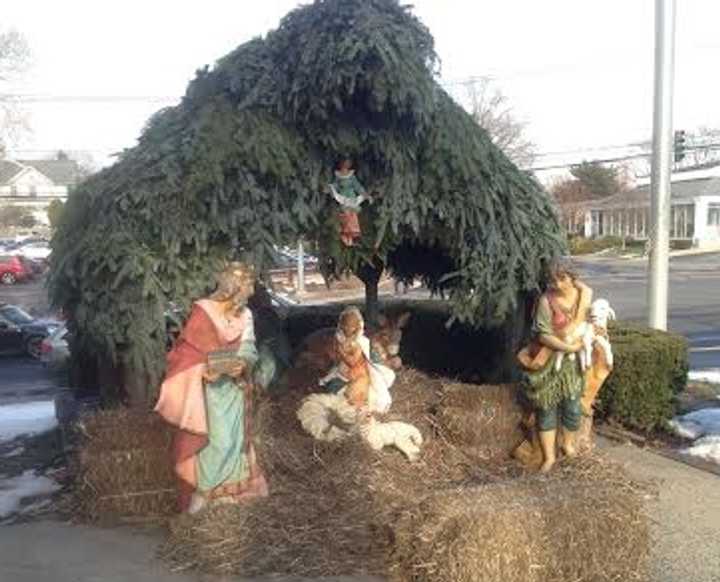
(591, 332)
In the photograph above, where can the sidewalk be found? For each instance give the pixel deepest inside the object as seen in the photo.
(615, 254)
(56, 552)
(685, 517)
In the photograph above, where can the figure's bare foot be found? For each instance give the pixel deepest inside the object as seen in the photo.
(547, 465)
(569, 450)
(197, 502)
(568, 444)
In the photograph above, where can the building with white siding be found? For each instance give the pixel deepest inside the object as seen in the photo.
(36, 183)
(694, 215)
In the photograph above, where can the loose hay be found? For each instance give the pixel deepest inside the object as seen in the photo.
(123, 467)
(330, 505)
(341, 508)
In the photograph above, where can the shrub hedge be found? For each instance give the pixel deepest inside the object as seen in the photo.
(583, 246)
(651, 367)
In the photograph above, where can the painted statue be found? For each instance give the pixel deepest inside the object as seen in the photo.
(559, 383)
(363, 380)
(207, 393)
(349, 193)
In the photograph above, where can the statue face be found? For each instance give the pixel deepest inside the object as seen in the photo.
(351, 324)
(561, 283)
(244, 291)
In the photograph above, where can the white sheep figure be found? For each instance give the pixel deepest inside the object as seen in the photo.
(327, 417)
(600, 313)
(402, 435)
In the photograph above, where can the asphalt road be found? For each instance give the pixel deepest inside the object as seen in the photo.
(694, 298)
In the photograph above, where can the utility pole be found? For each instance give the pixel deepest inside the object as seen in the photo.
(300, 267)
(661, 164)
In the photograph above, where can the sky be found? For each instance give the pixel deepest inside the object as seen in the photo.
(578, 72)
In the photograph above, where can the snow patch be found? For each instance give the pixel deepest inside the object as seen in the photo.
(15, 489)
(703, 426)
(15, 452)
(697, 424)
(26, 418)
(710, 375)
(707, 447)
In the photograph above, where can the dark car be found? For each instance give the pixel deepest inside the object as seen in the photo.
(35, 268)
(21, 333)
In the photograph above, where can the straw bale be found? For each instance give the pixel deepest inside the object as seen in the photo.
(123, 466)
(583, 522)
(485, 420)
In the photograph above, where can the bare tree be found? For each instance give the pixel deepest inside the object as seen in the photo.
(14, 62)
(492, 110)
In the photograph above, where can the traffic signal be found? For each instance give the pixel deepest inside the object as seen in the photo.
(679, 145)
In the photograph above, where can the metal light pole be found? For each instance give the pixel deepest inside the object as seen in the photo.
(300, 267)
(661, 163)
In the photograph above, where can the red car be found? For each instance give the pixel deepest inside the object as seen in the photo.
(13, 269)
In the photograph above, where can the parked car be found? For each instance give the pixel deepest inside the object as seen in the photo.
(55, 348)
(35, 267)
(6, 242)
(13, 269)
(285, 258)
(34, 250)
(22, 333)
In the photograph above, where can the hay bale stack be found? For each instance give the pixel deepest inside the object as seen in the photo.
(583, 522)
(124, 467)
(483, 420)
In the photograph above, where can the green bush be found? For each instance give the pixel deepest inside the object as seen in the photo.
(584, 246)
(681, 245)
(651, 367)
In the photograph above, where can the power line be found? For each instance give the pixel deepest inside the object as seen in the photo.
(708, 147)
(36, 98)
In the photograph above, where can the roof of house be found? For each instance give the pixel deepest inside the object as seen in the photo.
(680, 191)
(9, 169)
(61, 172)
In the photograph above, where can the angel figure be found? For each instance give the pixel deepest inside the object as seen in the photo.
(350, 194)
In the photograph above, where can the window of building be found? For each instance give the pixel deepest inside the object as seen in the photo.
(33, 191)
(13, 190)
(713, 214)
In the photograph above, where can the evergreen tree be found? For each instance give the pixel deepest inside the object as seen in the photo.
(597, 180)
(243, 163)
